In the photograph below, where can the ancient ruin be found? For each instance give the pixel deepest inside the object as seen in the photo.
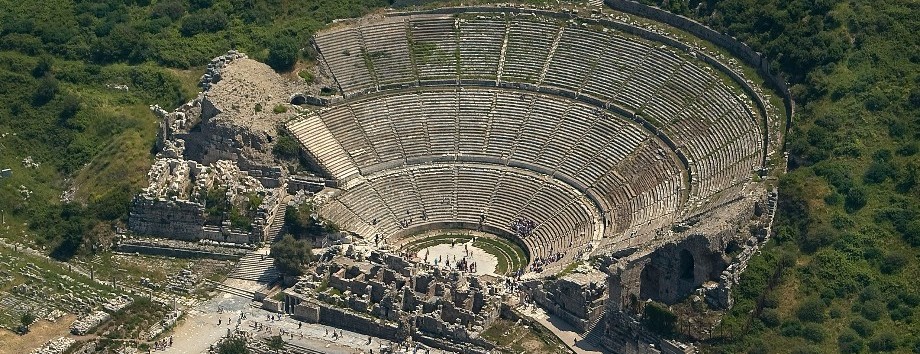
(626, 164)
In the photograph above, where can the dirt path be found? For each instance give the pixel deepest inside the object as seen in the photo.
(41, 332)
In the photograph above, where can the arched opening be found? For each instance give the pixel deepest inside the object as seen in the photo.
(649, 286)
(686, 266)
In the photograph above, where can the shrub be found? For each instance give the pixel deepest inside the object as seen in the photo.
(43, 66)
(816, 237)
(233, 345)
(173, 10)
(770, 317)
(307, 76)
(286, 148)
(893, 262)
(282, 54)
(849, 342)
(811, 310)
(862, 326)
(204, 21)
(69, 107)
(855, 199)
(872, 310)
(792, 328)
(813, 332)
(47, 89)
(884, 341)
(659, 319)
(280, 109)
(878, 172)
(911, 233)
(291, 255)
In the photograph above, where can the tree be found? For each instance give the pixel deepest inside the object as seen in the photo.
(233, 345)
(286, 148)
(25, 321)
(276, 343)
(43, 66)
(855, 199)
(204, 21)
(47, 89)
(291, 255)
(659, 319)
(70, 105)
(282, 54)
(811, 310)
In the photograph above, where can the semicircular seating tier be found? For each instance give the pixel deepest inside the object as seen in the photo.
(644, 134)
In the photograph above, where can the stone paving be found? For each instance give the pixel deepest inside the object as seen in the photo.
(438, 254)
(210, 321)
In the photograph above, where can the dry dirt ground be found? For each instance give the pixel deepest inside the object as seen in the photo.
(41, 332)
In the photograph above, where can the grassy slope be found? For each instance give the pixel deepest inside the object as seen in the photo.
(103, 151)
(855, 69)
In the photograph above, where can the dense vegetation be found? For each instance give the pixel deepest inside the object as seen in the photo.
(841, 272)
(292, 255)
(62, 64)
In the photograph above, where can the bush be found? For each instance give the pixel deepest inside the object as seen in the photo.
(855, 199)
(43, 66)
(813, 332)
(659, 319)
(849, 342)
(862, 327)
(47, 89)
(770, 317)
(173, 10)
(286, 147)
(872, 310)
(204, 21)
(792, 328)
(233, 345)
(282, 54)
(280, 109)
(884, 341)
(911, 233)
(307, 76)
(893, 262)
(69, 107)
(291, 255)
(878, 172)
(811, 310)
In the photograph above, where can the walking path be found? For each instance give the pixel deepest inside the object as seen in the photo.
(565, 332)
(214, 319)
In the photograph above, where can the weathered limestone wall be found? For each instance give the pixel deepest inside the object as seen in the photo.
(177, 219)
(579, 299)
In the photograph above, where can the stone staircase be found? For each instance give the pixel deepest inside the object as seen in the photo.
(256, 266)
(274, 232)
(232, 290)
(260, 346)
(595, 331)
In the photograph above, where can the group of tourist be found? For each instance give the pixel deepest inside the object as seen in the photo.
(538, 264)
(162, 344)
(463, 264)
(523, 227)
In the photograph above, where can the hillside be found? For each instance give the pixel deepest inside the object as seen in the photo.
(78, 77)
(840, 273)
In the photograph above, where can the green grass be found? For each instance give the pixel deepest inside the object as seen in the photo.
(510, 337)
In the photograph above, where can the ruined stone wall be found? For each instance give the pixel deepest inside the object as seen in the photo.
(625, 334)
(332, 316)
(579, 299)
(167, 218)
